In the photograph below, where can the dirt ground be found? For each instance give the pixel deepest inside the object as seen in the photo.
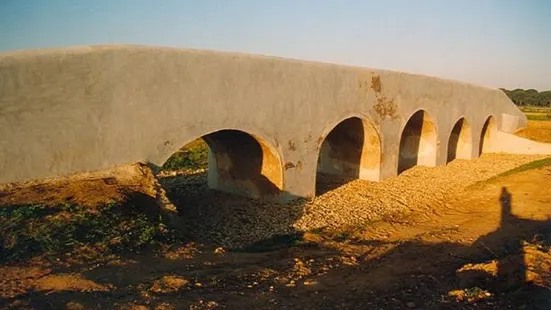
(419, 260)
(537, 130)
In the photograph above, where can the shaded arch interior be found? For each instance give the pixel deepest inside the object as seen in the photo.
(487, 134)
(352, 149)
(243, 164)
(460, 141)
(418, 142)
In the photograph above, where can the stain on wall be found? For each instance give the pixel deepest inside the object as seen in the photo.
(289, 165)
(385, 107)
(292, 146)
(376, 83)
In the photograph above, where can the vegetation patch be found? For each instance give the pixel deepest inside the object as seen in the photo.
(313, 237)
(538, 116)
(276, 242)
(526, 167)
(193, 156)
(529, 97)
(532, 109)
(31, 230)
(529, 166)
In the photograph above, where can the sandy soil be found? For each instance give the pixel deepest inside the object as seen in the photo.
(416, 256)
(537, 130)
(86, 189)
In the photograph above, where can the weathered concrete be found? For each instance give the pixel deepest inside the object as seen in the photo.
(266, 120)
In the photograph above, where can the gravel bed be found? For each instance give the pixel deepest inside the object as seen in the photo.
(231, 221)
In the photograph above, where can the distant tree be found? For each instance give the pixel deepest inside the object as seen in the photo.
(529, 97)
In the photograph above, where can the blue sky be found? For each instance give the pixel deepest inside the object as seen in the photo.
(498, 43)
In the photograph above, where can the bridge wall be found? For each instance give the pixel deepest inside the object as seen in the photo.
(90, 108)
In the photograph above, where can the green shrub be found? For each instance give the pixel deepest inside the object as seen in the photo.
(192, 156)
(30, 230)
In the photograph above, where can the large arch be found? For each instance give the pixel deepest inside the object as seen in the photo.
(243, 164)
(352, 150)
(487, 135)
(418, 142)
(460, 143)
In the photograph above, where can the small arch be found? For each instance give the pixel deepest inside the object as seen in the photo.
(351, 150)
(418, 142)
(460, 144)
(487, 135)
(241, 163)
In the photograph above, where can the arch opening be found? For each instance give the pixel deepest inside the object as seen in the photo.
(418, 142)
(352, 150)
(487, 135)
(460, 141)
(236, 162)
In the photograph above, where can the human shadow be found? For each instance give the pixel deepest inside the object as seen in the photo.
(420, 274)
(509, 247)
(294, 271)
(498, 262)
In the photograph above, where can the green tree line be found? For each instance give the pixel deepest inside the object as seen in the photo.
(529, 97)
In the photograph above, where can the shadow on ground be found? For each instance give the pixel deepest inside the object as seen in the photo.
(296, 270)
(326, 182)
(210, 216)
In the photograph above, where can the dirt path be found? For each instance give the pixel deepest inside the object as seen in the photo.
(408, 260)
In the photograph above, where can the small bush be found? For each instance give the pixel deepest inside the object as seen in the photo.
(31, 230)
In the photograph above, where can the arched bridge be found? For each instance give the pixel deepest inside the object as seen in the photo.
(271, 124)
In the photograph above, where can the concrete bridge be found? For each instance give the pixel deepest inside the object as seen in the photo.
(271, 124)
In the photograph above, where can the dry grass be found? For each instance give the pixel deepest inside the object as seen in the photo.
(537, 130)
